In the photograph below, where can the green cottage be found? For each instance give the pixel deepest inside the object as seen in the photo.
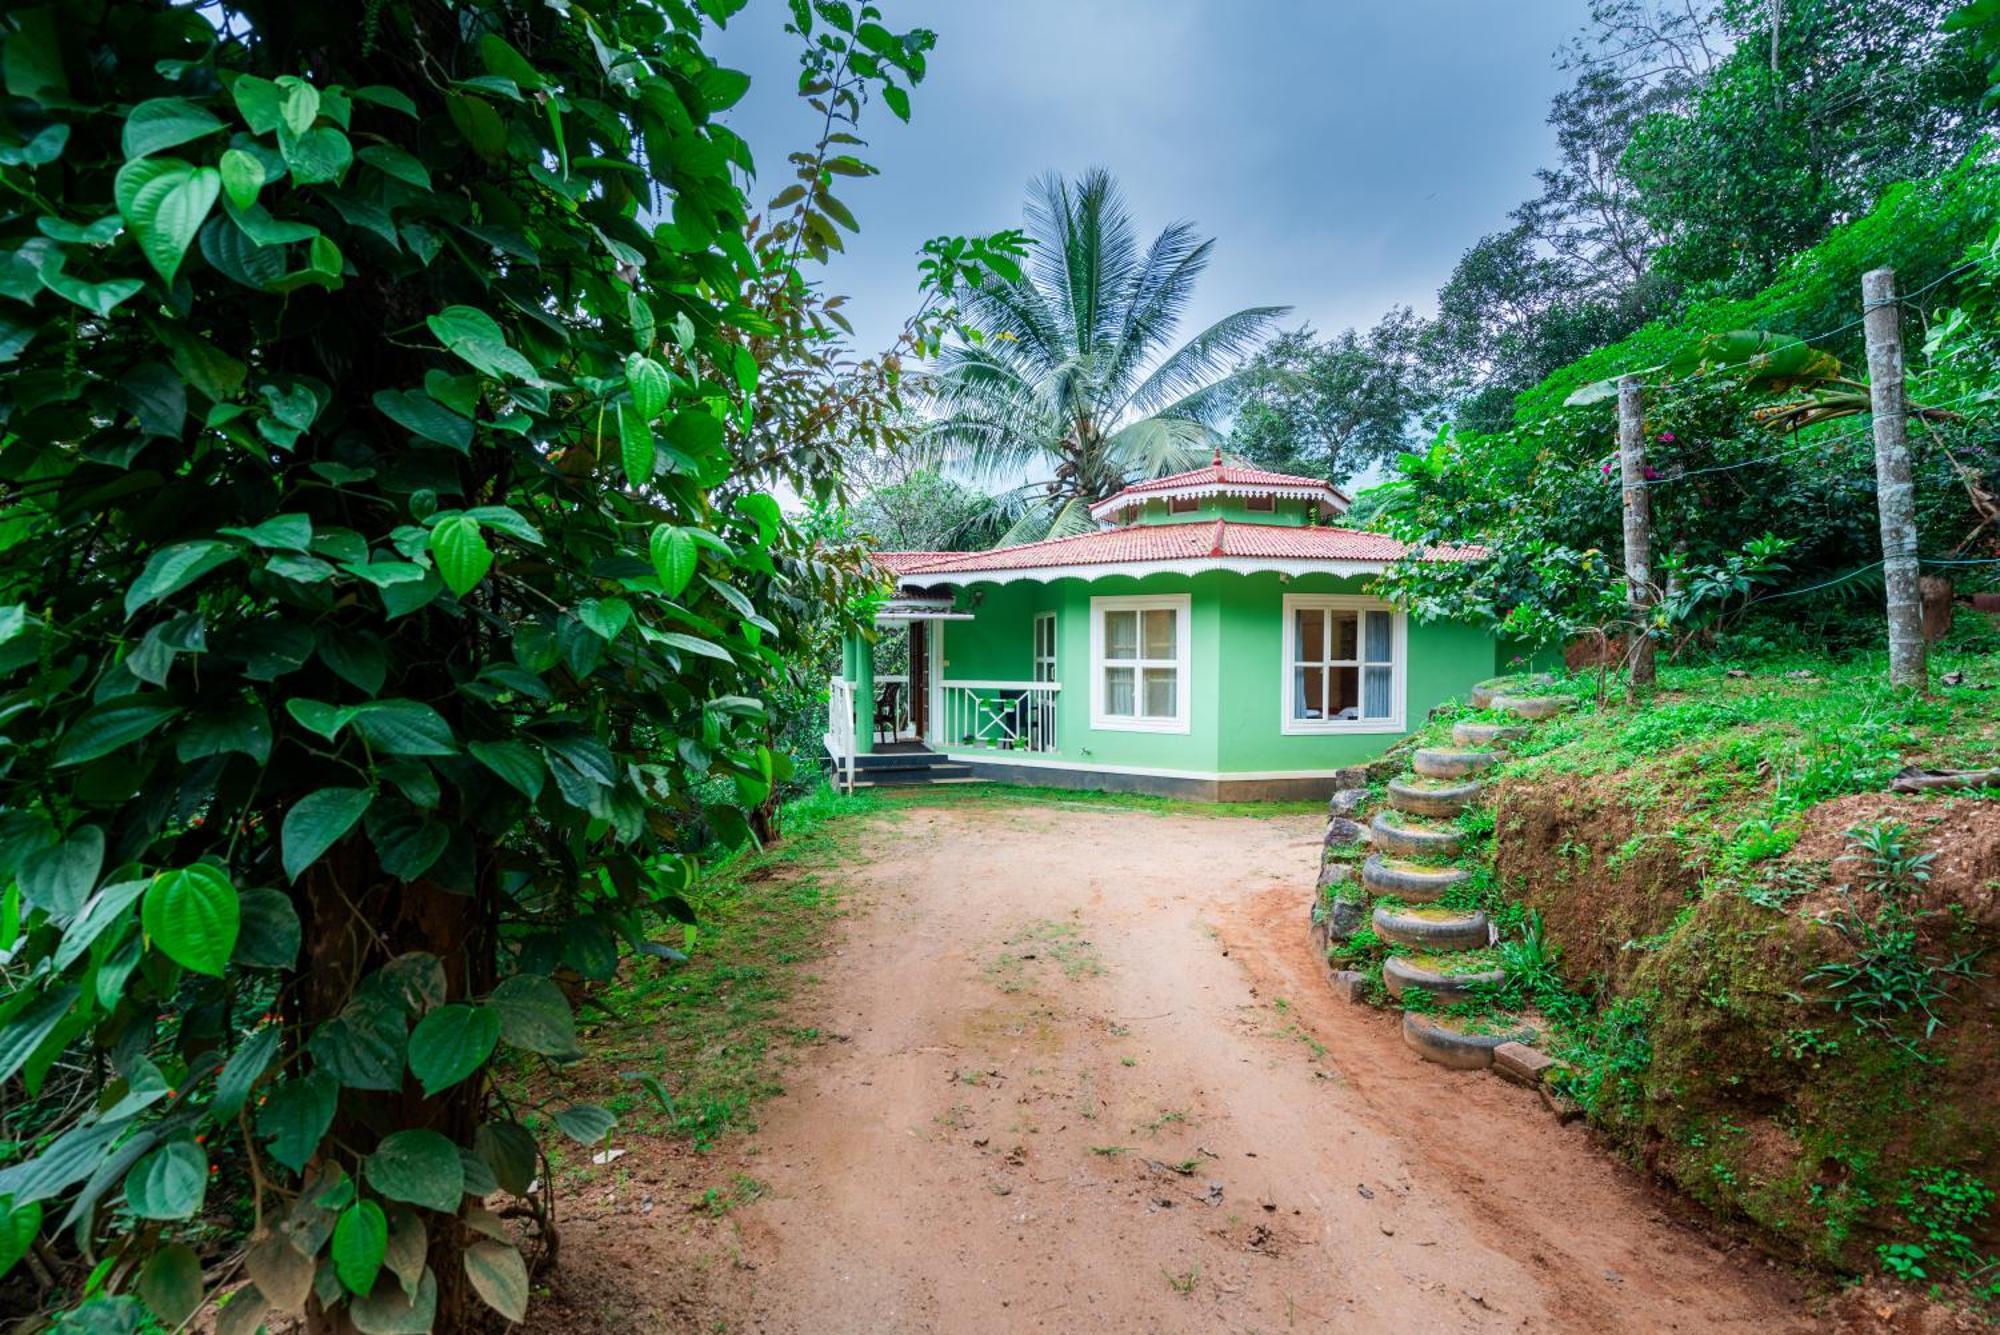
(1212, 640)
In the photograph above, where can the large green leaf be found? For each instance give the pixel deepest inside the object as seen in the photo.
(516, 762)
(651, 386)
(269, 934)
(171, 569)
(460, 552)
(316, 157)
(316, 822)
(534, 1015)
(674, 555)
(163, 123)
(26, 1029)
(390, 1311)
(169, 1183)
(61, 877)
(422, 415)
(418, 1167)
(18, 1227)
(170, 1284)
(635, 445)
(451, 1043)
(242, 177)
(110, 726)
(585, 1123)
(360, 1240)
(167, 211)
(404, 728)
(191, 915)
(499, 1277)
(296, 1116)
(240, 1074)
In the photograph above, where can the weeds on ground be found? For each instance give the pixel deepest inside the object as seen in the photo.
(1890, 978)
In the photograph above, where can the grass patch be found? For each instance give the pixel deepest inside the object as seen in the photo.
(714, 1031)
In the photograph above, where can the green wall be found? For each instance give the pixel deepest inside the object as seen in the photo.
(1235, 696)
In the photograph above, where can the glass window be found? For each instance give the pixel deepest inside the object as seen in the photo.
(1182, 505)
(1342, 670)
(1264, 504)
(1141, 652)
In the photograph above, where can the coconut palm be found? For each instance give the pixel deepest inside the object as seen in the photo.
(1067, 382)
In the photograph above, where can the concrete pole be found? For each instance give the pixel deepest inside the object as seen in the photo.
(1638, 524)
(1895, 493)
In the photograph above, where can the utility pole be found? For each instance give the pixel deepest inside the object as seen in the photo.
(1638, 526)
(1895, 494)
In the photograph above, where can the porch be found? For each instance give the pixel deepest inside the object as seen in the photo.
(879, 720)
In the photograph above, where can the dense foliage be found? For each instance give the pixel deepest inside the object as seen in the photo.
(390, 584)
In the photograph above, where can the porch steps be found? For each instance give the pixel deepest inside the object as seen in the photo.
(903, 768)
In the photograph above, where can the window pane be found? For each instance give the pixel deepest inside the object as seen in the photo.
(1160, 633)
(1118, 692)
(1378, 702)
(1308, 693)
(1346, 633)
(1309, 636)
(1344, 690)
(1121, 634)
(1379, 638)
(1162, 688)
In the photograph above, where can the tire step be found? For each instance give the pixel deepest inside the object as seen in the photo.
(1414, 842)
(1421, 799)
(1486, 734)
(1433, 929)
(1532, 706)
(1483, 694)
(1420, 885)
(1446, 988)
(1437, 1039)
(1438, 764)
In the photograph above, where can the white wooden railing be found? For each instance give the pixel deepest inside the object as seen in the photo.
(1000, 715)
(840, 731)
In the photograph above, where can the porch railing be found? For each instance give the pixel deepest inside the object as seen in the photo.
(840, 731)
(1001, 715)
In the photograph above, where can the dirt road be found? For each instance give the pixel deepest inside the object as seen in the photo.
(1085, 1078)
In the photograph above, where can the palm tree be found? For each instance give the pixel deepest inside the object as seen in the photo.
(1065, 382)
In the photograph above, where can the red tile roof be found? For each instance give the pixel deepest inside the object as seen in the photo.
(1222, 477)
(1219, 540)
(898, 562)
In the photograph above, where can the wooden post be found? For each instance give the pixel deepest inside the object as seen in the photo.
(1895, 494)
(1638, 525)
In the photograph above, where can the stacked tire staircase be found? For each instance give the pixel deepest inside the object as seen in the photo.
(1442, 952)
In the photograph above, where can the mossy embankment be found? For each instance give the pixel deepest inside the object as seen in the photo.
(1796, 1024)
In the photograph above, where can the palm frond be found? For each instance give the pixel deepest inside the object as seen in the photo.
(1156, 446)
(1160, 291)
(1205, 357)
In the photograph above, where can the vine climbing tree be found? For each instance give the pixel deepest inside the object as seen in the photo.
(390, 581)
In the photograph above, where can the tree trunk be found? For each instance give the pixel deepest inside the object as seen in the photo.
(355, 921)
(1638, 505)
(1895, 493)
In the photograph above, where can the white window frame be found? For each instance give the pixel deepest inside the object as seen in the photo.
(1037, 659)
(1295, 603)
(1182, 606)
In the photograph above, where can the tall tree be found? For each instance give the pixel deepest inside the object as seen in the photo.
(1820, 106)
(1334, 406)
(1069, 380)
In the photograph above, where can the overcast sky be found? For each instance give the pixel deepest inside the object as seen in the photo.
(1343, 153)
